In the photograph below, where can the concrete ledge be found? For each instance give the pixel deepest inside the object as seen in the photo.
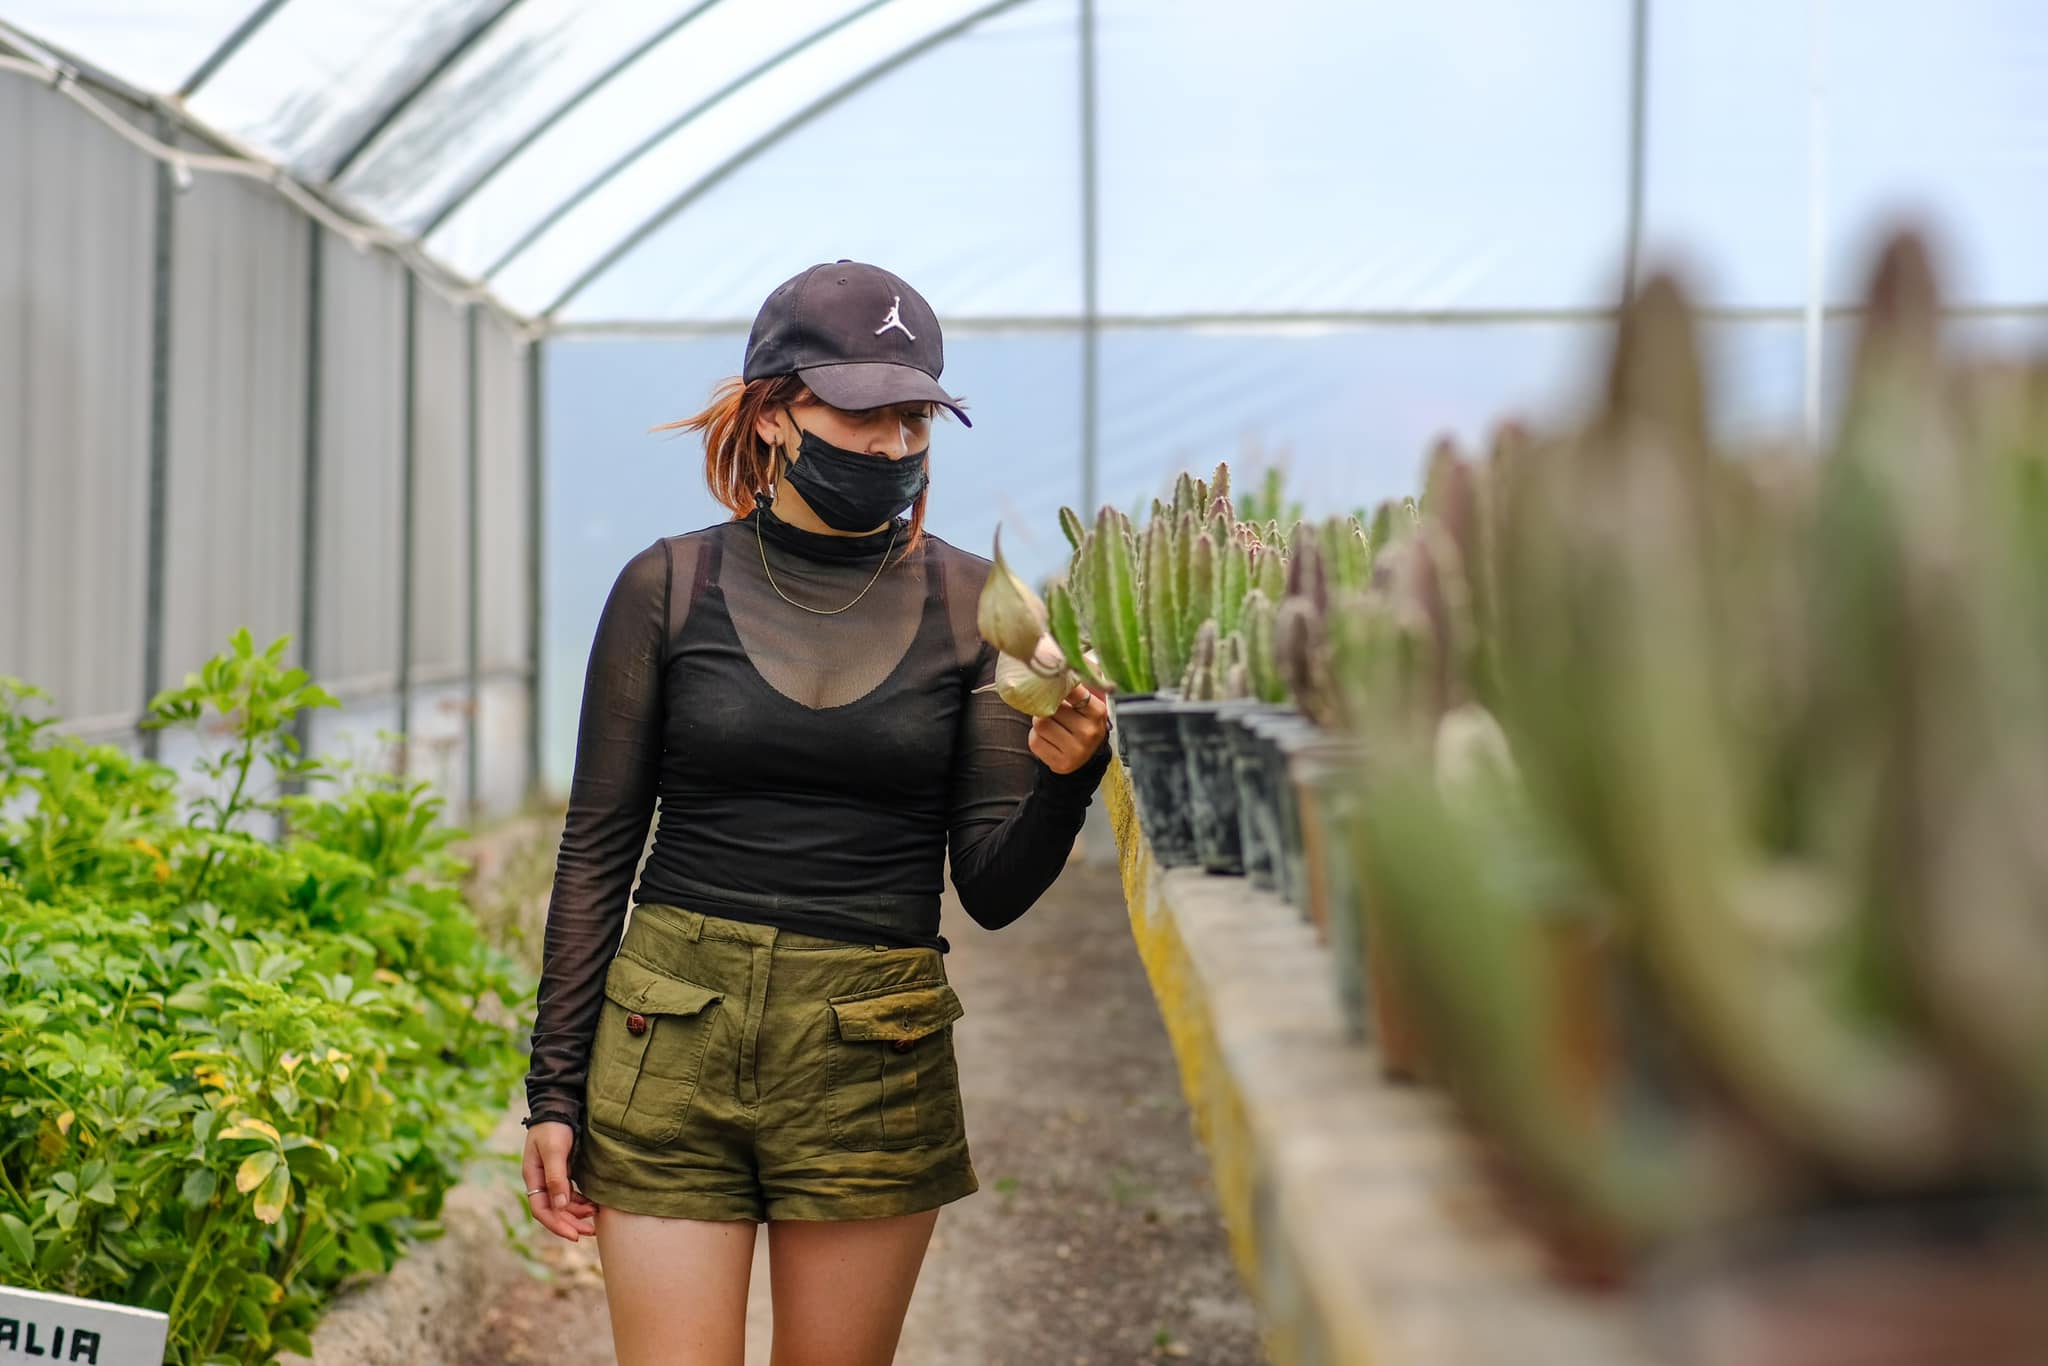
(1357, 1216)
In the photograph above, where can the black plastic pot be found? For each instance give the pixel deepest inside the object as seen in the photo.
(1159, 776)
(1258, 809)
(1117, 730)
(1264, 777)
(1277, 736)
(1212, 787)
(1326, 776)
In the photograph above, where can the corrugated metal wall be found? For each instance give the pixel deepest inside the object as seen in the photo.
(362, 443)
(440, 490)
(503, 501)
(236, 477)
(254, 304)
(506, 705)
(75, 252)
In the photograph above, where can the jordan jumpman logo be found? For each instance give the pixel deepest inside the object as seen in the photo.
(895, 320)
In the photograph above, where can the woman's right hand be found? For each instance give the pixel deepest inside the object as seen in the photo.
(562, 1209)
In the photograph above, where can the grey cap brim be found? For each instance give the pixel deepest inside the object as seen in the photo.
(871, 384)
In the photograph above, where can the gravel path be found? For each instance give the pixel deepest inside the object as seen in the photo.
(1094, 1240)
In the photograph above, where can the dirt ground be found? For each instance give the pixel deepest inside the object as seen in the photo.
(1094, 1240)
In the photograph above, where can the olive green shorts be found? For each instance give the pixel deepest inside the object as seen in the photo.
(742, 1071)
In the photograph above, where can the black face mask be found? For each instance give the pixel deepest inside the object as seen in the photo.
(854, 492)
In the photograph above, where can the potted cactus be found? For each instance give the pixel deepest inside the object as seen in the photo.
(1747, 877)
(1258, 804)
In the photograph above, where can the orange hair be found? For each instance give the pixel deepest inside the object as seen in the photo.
(737, 462)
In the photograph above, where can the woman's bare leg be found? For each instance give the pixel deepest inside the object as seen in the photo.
(676, 1288)
(840, 1288)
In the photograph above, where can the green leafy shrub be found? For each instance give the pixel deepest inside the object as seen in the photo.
(233, 1070)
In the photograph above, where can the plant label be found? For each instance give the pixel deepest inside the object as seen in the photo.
(49, 1329)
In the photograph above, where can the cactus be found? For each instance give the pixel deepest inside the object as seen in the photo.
(1307, 576)
(1183, 495)
(1187, 617)
(1620, 638)
(1160, 607)
(1381, 531)
(1302, 652)
(1199, 683)
(1217, 668)
(1264, 503)
(1233, 582)
(1071, 528)
(1219, 482)
(1200, 606)
(1269, 573)
(1112, 583)
(1343, 545)
(1064, 622)
(1266, 683)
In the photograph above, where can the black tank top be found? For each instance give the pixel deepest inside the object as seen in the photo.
(813, 772)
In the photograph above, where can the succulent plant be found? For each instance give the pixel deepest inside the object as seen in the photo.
(1264, 681)
(1217, 668)
(1071, 528)
(1107, 571)
(1032, 672)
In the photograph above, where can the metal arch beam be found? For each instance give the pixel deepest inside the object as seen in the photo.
(1638, 100)
(711, 179)
(659, 135)
(230, 45)
(418, 88)
(1091, 274)
(560, 112)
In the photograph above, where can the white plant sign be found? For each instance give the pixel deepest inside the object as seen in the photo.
(36, 1326)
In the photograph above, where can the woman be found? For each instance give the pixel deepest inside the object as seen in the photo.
(772, 1038)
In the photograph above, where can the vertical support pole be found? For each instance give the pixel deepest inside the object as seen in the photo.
(408, 460)
(159, 435)
(309, 515)
(472, 768)
(1091, 303)
(536, 784)
(1638, 103)
(1816, 214)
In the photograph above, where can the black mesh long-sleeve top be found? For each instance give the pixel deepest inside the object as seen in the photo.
(814, 772)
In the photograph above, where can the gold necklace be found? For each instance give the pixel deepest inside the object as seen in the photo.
(817, 611)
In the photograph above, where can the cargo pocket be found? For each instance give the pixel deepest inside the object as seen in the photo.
(649, 1051)
(892, 1077)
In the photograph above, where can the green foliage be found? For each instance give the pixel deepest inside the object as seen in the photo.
(233, 1071)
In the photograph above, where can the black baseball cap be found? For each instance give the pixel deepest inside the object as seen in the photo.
(857, 335)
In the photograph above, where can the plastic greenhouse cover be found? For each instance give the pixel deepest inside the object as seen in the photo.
(1314, 193)
(152, 47)
(668, 82)
(987, 225)
(544, 56)
(1930, 112)
(784, 84)
(1302, 157)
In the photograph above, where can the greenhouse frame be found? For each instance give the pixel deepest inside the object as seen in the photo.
(349, 321)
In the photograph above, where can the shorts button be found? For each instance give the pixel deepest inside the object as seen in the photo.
(636, 1023)
(904, 1045)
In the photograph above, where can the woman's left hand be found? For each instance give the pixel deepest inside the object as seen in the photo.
(1070, 736)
